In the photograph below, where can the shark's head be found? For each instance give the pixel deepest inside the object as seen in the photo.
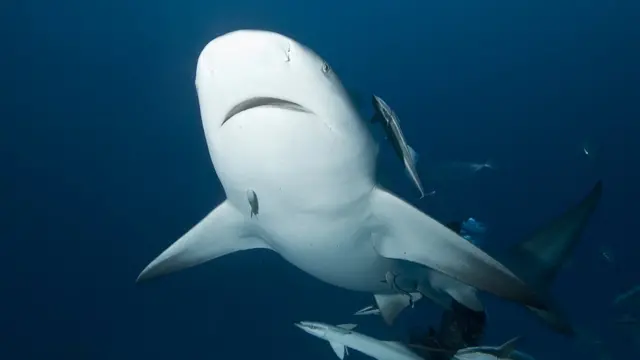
(314, 328)
(274, 112)
(259, 71)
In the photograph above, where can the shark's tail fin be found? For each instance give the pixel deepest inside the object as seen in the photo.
(545, 253)
(538, 259)
(490, 164)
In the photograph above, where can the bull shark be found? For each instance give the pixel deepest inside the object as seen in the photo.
(537, 259)
(342, 337)
(278, 122)
(391, 124)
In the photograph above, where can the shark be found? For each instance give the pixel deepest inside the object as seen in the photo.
(280, 127)
(342, 337)
(537, 259)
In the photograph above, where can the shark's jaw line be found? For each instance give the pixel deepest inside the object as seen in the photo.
(264, 101)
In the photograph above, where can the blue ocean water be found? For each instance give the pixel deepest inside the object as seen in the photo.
(105, 164)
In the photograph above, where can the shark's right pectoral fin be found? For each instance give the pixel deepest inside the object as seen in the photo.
(223, 231)
(400, 231)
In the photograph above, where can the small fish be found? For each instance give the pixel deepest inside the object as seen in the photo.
(391, 124)
(253, 202)
(607, 254)
(475, 167)
(369, 310)
(391, 279)
(463, 169)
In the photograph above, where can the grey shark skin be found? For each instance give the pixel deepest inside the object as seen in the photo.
(539, 258)
(342, 337)
(391, 125)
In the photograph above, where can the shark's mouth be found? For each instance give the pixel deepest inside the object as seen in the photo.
(256, 102)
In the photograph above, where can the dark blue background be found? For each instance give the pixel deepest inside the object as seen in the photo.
(104, 164)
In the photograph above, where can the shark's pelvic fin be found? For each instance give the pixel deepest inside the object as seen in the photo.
(339, 349)
(221, 232)
(467, 296)
(439, 298)
(400, 231)
(391, 305)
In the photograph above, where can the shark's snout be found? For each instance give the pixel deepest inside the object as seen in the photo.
(245, 46)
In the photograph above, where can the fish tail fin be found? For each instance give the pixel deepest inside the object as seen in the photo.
(490, 164)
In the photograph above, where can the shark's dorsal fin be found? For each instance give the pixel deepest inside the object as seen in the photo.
(505, 350)
(347, 326)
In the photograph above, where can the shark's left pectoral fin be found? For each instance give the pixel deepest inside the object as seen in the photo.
(391, 305)
(400, 231)
(223, 231)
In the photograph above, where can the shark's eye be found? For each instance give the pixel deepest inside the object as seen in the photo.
(326, 68)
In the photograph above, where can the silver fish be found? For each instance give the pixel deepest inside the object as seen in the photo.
(391, 124)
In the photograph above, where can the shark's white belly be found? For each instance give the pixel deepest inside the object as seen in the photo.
(338, 252)
(313, 187)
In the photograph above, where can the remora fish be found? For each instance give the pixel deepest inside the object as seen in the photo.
(342, 337)
(391, 124)
(505, 351)
(310, 156)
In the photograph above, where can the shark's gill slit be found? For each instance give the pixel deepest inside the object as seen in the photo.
(264, 101)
